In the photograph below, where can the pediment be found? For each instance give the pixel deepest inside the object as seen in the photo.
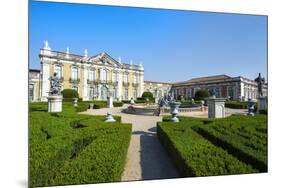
(105, 59)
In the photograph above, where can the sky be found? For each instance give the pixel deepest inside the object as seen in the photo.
(173, 45)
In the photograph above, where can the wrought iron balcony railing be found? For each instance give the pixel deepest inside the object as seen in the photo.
(126, 84)
(135, 84)
(74, 81)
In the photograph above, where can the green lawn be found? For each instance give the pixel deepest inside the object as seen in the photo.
(205, 147)
(68, 148)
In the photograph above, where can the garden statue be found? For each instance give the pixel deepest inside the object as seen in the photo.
(260, 81)
(55, 85)
(55, 97)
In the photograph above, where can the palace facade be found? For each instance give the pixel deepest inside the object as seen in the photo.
(232, 88)
(99, 76)
(158, 89)
(94, 77)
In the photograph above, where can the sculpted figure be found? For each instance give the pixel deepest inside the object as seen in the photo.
(55, 85)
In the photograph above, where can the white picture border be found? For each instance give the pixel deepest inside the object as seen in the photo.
(14, 91)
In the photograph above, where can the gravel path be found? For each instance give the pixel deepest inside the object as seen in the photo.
(146, 158)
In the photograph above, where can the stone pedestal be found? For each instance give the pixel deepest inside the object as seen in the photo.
(262, 103)
(109, 102)
(55, 103)
(216, 108)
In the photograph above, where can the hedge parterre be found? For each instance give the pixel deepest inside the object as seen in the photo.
(196, 153)
(69, 148)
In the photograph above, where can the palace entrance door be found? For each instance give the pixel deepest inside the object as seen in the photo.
(104, 92)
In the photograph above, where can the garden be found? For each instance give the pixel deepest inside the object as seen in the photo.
(207, 147)
(70, 148)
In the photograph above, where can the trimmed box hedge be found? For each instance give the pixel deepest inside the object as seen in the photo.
(69, 148)
(233, 145)
(195, 156)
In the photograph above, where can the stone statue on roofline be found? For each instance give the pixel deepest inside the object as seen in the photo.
(55, 85)
(260, 81)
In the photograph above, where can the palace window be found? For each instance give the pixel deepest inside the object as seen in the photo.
(103, 74)
(74, 73)
(92, 92)
(126, 79)
(135, 93)
(114, 76)
(126, 93)
(114, 93)
(135, 78)
(92, 75)
(58, 70)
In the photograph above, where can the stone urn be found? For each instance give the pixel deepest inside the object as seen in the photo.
(74, 101)
(109, 118)
(174, 106)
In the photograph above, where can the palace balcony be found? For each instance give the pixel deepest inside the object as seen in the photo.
(126, 84)
(74, 81)
(135, 84)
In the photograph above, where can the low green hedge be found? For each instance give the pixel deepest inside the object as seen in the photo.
(69, 148)
(239, 136)
(236, 144)
(236, 105)
(117, 104)
(195, 156)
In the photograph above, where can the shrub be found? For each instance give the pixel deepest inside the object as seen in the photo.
(98, 105)
(69, 94)
(126, 101)
(117, 104)
(146, 95)
(236, 105)
(82, 107)
(201, 94)
(263, 111)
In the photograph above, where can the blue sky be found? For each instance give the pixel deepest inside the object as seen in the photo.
(173, 45)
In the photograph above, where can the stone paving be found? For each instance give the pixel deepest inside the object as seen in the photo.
(146, 158)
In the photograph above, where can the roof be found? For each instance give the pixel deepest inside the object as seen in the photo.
(156, 82)
(221, 77)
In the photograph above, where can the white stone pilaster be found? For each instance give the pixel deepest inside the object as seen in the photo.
(45, 85)
(141, 85)
(120, 85)
(85, 95)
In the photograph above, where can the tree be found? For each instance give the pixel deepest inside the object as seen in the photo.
(201, 94)
(147, 94)
(69, 93)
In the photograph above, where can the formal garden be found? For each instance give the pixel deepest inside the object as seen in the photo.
(70, 148)
(207, 147)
